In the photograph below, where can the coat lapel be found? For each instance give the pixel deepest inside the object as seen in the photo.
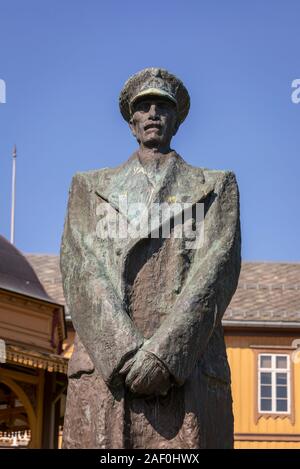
(177, 182)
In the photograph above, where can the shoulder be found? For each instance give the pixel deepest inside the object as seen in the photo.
(218, 175)
(211, 176)
(92, 175)
(91, 179)
(223, 181)
(101, 178)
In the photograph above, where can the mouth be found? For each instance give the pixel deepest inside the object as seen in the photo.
(152, 126)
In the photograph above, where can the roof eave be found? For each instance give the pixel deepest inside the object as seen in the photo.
(261, 324)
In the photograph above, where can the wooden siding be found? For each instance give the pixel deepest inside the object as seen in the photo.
(265, 431)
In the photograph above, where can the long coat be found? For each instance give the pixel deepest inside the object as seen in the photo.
(158, 293)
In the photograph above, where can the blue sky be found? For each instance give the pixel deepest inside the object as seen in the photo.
(65, 61)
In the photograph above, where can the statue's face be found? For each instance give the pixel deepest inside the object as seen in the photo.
(154, 122)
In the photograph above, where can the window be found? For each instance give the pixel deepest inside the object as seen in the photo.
(274, 383)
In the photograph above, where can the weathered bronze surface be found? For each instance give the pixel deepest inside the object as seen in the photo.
(150, 368)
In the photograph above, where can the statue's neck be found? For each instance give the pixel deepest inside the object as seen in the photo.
(149, 156)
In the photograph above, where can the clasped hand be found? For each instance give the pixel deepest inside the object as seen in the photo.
(145, 374)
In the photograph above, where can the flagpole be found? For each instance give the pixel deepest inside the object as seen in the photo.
(13, 196)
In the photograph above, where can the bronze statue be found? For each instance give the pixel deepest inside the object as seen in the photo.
(149, 368)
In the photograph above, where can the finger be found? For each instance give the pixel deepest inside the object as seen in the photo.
(158, 385)
(131, 376)
(140, 383)
(137, 387)
(127, 366)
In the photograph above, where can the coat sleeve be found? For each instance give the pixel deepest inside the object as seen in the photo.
(212, 280)
(97, 311)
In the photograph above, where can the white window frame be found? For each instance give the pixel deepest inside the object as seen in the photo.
(273, 370)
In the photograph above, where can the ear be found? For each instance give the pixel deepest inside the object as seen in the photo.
(132, 127)
(176, 127)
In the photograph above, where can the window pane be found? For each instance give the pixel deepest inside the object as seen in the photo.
(281, 362)
(265, 361)
(281, 378)
(281, 391)
(281, 405)
(265, 378)
(265, 404)
(266, 391)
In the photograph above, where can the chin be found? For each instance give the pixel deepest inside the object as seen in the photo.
(153, 140)
(152, 143)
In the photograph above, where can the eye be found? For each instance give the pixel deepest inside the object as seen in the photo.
(164, 106)
(142, 107)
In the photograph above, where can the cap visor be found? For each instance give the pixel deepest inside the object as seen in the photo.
(152, 92)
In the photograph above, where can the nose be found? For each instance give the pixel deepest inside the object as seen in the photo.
(153, 111)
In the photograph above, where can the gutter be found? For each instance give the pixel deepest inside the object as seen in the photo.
(262, 324)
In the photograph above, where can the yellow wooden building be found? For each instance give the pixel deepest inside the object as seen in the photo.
(262, 333)
(32, 368)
